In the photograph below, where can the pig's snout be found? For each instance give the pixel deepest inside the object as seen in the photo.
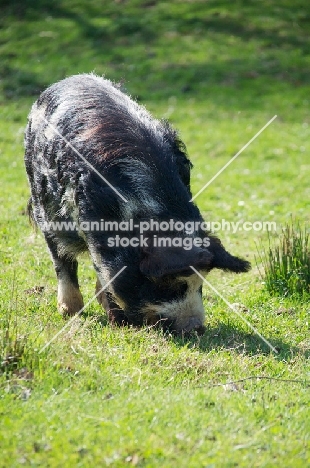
(193, 324)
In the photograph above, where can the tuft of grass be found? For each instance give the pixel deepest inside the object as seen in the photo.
(17, 352)
(12, 344)
(12, 348)
(287, 261)
(18, 356)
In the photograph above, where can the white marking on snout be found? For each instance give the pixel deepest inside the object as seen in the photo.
(184, 311)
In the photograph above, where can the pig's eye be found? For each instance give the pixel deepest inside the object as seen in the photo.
(173, 291)
(164, 291)
(200, 290)
(182, 289)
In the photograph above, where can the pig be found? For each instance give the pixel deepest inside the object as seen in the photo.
(93, 155)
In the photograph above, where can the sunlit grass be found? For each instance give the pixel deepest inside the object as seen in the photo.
(102, 396)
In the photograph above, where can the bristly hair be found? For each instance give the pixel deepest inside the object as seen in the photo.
(29, 211)
(179, 150)
(108, 123)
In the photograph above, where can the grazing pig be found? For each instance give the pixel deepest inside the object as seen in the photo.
(109, 179)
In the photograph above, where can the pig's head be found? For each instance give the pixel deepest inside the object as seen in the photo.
(164, 288)
(177, 289)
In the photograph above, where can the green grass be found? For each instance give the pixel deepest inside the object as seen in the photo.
(99, 396)
(287, 262)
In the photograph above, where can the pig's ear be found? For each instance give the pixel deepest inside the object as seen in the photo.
(159, 261)
(224, 260)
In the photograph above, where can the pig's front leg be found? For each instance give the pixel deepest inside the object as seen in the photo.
(69, 298)
(115, 314)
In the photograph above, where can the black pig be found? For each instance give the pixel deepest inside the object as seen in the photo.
(93, 154)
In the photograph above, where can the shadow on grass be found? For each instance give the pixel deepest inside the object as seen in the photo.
(243, 19)
(230, 338)
(224, 337)
(123, 30)
(18, 83)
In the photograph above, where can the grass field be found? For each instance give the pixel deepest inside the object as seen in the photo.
(98, 396)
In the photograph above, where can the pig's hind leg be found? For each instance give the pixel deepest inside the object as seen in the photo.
(69, 297)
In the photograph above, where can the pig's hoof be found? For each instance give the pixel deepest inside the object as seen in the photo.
(194, 325)
(71, 308)
(117, 317)
(64, 310)
(101, 297)
(69, 299)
